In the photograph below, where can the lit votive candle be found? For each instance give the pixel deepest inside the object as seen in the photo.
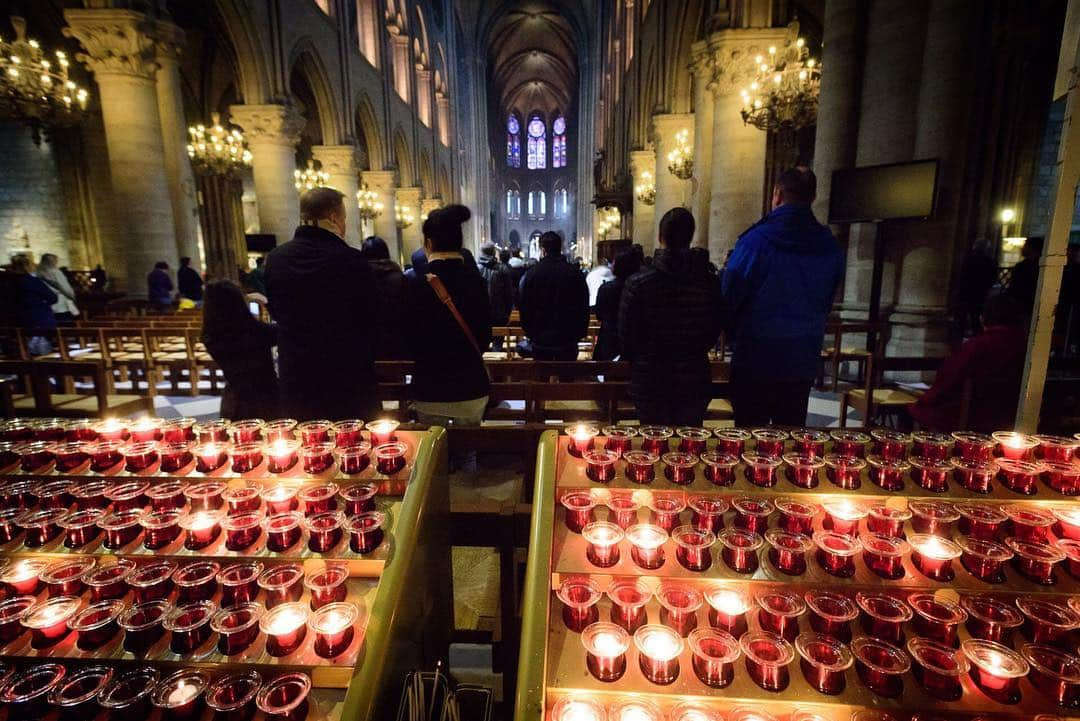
(727, 609)
(280, 498)
(665, 510)
(327, 586)
(890, 444)
(180, 695)
(930, 446)
(787, 551)
(166, 495)
(324, 531)
(823, 660)
(152, 581)
(767, 657)
(647, 545)
(382, 431)
(1015, 446)
(282, 583)
(641, 466)
(933, 517)
(842, 516)
(348, 434)
(581, 438)
(317, 459)
(23, 577)
(333, 626)
(761, 469)
(931, 474)
(285, 627)
(739, 549)
(844, 471)
(628, 598)
(354, 459)
(1019, 476)
(239, 583)
(246, 457)
(937, 618)
(887, 473)
(602, 543)
(975, 475)
(1046, 621)
(1035, 561)
(618, 438)
(937, 668)
(732, 441)
(160, 528)
(282, 530)
(390, 458)
(880, 666)
(196, 581)
(48, 620)
(796, 516)
(242, 530)
(281, 454)
(989, 618)
(210, 457)
(851, 444)
(658, 650)
(679, 604)
(605, 650)
(713, 656)
(719, 467)
(933, 556)
(831, 613)
(600, 465)
(146, 429)
(655, 439)
(995, 669)
(884, 555)
(285, 698)
(884, 616)
(779, 613)
(802, 470)
(752, 514)
(203, 528)
(836, 553)
(579, 595)
(237, 627)
(571, 708)
(366, 531)
(112, 429)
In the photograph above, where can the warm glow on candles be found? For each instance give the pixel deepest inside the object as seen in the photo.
(661, 646)
(844, 510)
(934, 547)
(203, 520)
(647, 537)
(727, 601)
(287, 621)
(574, 710)
(23, 570)
(183, 693)
(334, 622)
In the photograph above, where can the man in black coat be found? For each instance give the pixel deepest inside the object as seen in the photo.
(554, 303)
(322, 293)
(669, 318)
(189, 282)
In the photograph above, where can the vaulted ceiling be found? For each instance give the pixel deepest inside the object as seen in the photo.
(532, 59)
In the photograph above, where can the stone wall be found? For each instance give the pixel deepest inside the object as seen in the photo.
(31, 197)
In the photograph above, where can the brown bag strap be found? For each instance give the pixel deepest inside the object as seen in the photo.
(444, 297)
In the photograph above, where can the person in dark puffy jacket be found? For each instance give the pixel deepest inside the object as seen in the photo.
(500, 288)
(778, 286)
(390, 285)
(669, 318)
(554, 303)
(608, 299)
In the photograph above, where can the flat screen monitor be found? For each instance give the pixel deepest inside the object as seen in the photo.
(883, 192)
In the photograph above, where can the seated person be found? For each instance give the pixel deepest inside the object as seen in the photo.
(990, 365)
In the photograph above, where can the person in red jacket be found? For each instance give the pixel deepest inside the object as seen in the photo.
(988, 367)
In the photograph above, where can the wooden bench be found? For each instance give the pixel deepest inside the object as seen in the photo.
(41, 378)
(876, 396)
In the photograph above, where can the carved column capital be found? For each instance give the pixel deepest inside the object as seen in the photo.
(273, 124)
(666, 125)
(380, 180)
(337, 159)
(121, 42)
(725, 60)
(409, 197)
(643, 160)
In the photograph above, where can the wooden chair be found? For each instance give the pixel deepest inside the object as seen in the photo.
(166, 350)
(40, 377)
(877, 397)
(835, 353)
(125, 356)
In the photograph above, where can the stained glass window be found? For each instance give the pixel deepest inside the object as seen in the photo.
(513, 204)
(537, 204)
(537, 153)
(513, 142)
(558, 143)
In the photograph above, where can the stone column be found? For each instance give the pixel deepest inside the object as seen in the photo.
(644, 215)
(701, 67)
(121, 50)
(426, 206)
(412, 238)
(423, 94)
(385, 226)
(272, 132)
(442, 116)
(341, 162)
(738, 149)
(671, 192)
(174, 137)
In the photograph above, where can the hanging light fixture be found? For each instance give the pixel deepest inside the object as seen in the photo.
(403, 216)
(681, 158)
(217, 150)
(35, 88)
(784, 90)
(645, 190)
(368, 203)
(310, 177)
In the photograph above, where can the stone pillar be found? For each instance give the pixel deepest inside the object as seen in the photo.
(426, 206)
(272, 132)
(423, 94)
(442, 117)
(671, 192)
(412, 238)
(644, 215)
(701, 67)
(121, 50)
(385, 226)
(340, 161)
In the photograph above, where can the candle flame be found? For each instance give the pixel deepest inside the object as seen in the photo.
(661, 645)
(729, 602)
(608, 645)
(635, 713)
(578, 711)
(286, 621)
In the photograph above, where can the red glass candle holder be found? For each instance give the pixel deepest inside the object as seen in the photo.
(348, 434)
(752, 514)
(980, 520)
(96, 624)
(333, 626)
(767, 657)
(1029, 523)
(232, 697)
(618, 439)
(203, 528)
(739, 549)
(91, 494)
(244, 498)
(985, 560)
(600, 465)
(1046, 621)
(933, 556)
(19, 494)
(318, 498)
(707, 512)
(1054, 673)
(887, 473)
(887, 520)
(180, 695)
(26, 694)
(166, 495)
(831, 614)
(16, 429)
(659, 648)
(23, 577)
(990, 619)
(1063, 478)
(281, 455)
(693, 440)
(215, 431)
(843, 516)
(713, 658)
(880, 666)
(1015, 446)
(143, 625)
(787, 551)
(931, 474)
(282, 530)
(239, 583)
(779, 613)
(327, 586)
(9, 456)
(1019, 476)
(189, 625)
(210, 457)
(995, 669)
(80, 429)
(281, 429)
(628, 598)
(602, 543)
(647, 545)
(248, 431)
(280, 498)
(242, 530)
(36, 456)
(975, 475)
(641, 466)
(1057, 449)
(937, 668)
(929, 446)
(802, 470)
(937, 618)
(9, 529)
(282, 584)
(178, 430)
(354, 459)
(823, 661)
(808, 442)
(64, 578)
(324, 531)
(666, 509)
(141, 458)
(285, 626)
(1035, 561)
(11, 611)
(761, 469)
(76, 696)
(891, 445)
(884, 555)
(933, 517)
(48, 620)
(152, 581)
(122, 528)
(679, 604)
(246, 457)
(196, 581)
(237, 627)
(623, 507)
(317, 459)
(836, 553)
(579, 595)
(71, 456)
(732, 441)
(127, 495)
(1071, 548)
(49, 429)
(359, 498)
(145, 429)
(769, 441)
(679, 467)
(719, 467)
(206, 495)
(605, 650)
(1068, 521)
(581, 437)
(41, 526)
(884, 616)
(972, 446)
(160, 528)
(655, 439)
(851, 444)
(366, 531)
(390, 458)
(580, 708)
(727, 609)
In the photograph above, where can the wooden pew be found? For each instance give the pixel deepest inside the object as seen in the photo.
(39, 378)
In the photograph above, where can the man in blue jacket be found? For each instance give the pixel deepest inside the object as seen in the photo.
(778, 288)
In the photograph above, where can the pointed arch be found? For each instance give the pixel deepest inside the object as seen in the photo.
(446, 192)
(427, 178)
(251, 55)
(306, 62)
(368, 134)
(403, 160)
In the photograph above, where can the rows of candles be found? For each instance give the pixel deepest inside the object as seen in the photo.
(122, 513)
(33, 691)
(637, 708)
(973, 461)
(179, 446)
(191, 604)
(984, 536)
(883, 636)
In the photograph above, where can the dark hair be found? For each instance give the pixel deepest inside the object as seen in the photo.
(226, 318)
(185, 261)
(161, 265)
(488, 249)
(677, 228)
(626, 264)
(504, 256)
(797, 185)
(551, 243)
(259, 261)
(1033, 246)
(375, 248)
(1003, 309)
(443, 228)
(318, 204)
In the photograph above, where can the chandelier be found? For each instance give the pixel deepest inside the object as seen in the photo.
(216, 150)
(310, 177)
(609, 220)
(34, 88)
(681, 158)
(368, 203)
(403, 216)
(784, 91)
(645, 190)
